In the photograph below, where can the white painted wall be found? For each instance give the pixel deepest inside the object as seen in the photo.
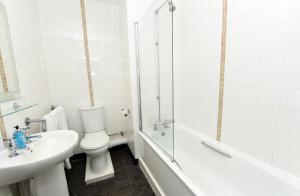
(65, 58)
(26, 38)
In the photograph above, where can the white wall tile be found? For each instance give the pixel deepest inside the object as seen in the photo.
(271, 78)
(262, 151)
(269, 97)
(286, 162)
(288, 142)
(263, 45)
(246, 96)
(273, 45)
(291, 78)
(290, 99)
(249, 78)
(294, 28)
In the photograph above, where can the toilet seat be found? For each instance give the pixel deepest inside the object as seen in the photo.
(94, 140)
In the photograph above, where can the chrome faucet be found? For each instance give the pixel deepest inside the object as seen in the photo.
(43, 122)
(163, 124)
(12, 151)
(30, 137)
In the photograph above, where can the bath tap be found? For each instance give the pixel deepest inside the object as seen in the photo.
(158, 125)
(162, 124)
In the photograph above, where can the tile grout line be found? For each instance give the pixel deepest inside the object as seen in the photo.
(222, 71)
(87, 54)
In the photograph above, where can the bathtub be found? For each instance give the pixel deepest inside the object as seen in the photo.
(209, 168)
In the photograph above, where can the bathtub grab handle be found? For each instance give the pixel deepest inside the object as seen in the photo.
(216, 150)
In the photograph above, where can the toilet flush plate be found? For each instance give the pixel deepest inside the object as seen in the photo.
(105, 174)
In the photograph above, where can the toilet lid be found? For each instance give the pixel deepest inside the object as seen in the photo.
(94, 140)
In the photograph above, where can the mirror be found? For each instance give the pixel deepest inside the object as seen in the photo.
(9, 86)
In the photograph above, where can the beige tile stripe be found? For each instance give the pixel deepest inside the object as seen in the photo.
(2, 75)
(87, 53)
(222, 70)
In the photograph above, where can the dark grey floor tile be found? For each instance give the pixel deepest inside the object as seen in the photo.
(119, 181)
(134, 173)
(128, 180)
(121, 191)
(144, 191)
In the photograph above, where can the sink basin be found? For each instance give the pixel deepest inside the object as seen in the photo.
(52, 148)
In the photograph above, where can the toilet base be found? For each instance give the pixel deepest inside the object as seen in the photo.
(103, 175)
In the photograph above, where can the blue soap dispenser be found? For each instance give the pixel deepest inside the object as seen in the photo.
(19, 138)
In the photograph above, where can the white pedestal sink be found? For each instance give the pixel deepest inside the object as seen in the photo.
(43, 163)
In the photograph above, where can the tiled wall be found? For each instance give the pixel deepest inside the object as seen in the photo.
(27, 46)
(197, 63)
(261, 107)
(107, 31)
(262, 91)
(65, 58)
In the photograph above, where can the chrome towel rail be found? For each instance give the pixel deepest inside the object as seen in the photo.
(216, 150)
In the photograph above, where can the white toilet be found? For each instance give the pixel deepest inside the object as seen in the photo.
(95, 144)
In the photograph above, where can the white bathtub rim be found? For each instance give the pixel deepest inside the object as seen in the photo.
(161, 154)
(268, 168)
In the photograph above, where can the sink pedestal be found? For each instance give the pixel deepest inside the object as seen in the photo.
(5, 191)
(50, 182)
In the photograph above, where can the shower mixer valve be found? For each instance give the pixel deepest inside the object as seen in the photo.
(162, 124)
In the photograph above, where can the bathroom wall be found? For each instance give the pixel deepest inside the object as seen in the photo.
(261, 114)
(262, 85)
(27, 46)
(107, 31)
(197, 48)
(65, 58)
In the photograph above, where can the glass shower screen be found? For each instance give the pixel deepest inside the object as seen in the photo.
(155, 68)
